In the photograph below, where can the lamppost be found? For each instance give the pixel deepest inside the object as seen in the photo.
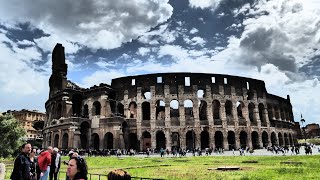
(303, 129)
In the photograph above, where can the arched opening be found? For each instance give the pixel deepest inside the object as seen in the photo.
(251, 113)
(56, 141)
(218, 138)
(108, 140)
(174, 113)
(265, 140)
(160, 110)
(280, 139)
(200, 93)
(65, 141)
(190, 140)
(270, 112)
(282, 114)
(133, 141)
(59, 111)
(204, 139)
(147, 95)
(231, 140)
(120, 109)
(274, 139)
(125, 133)
(175, 140)
(240, 106)
(160, 140)
(203, 110)
(286, 140)
(76, 105)
(146, 111)
(255, 140)
(243, 139)
(188, 111)
(133, 110)
(95, 141)
(84, 130)
(276, 112)
(291, 140)
(85, 111)
(113, 107)
(146, 140)
(229, 115)
(216, 109)
(96, 108)
(261, 115)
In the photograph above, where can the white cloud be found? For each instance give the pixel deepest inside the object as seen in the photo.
(143, 51)
(26, 42)
(96, 24)
(100, 77)
(193, 31)
(213, 4)
(48, 43)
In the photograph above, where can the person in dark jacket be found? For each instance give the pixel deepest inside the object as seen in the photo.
(21, 168)
(55, 164)
(33, 164)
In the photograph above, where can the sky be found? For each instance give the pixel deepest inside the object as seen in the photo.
(277, 41)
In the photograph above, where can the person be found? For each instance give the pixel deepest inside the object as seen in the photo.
(118, 174)
(44, 161)
(55, 164)
(21, 167)
(77, 169)
(33, 164)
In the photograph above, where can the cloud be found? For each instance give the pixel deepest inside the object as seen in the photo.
(95, 24)
(101, 76)
(213, 4)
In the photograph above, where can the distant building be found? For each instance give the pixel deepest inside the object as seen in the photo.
(27, 118)
(312, 130)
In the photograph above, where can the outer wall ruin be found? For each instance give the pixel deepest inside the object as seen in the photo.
(165, 110)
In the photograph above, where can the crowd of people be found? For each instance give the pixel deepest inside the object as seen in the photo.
(36, 164)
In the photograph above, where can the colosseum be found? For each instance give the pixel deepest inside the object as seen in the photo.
(165, 110)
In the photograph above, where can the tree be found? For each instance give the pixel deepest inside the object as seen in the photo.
(11, 135)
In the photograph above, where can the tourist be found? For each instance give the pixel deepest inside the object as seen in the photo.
(118, 174)
(21, 167)
(33, 164)
(55, 164)
(77, 169)
(44, 161)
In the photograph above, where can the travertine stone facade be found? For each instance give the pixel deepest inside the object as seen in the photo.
(168, 110)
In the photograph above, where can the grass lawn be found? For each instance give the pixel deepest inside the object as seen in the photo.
(268, 167)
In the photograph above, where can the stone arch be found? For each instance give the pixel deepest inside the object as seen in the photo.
(201, 93)
(146, 140)
(188, 111)
(290, 139)
(108, 140)
(160, 110)
(120, 108)
(65, 141)
(76, 105)
(133, 141)
(84, 130)
(218, 138)
(240, 107)
(190, 140)
(231, 140)
(255, 140)
(96, 109)
(145, 110)
(174, 108)
(280, 139)
(203, 110)
(251, 107)
(276, 112)
(205, 139)
(95, 141)
(216, 109)
(265, 140)
(270, 112)
(175, 139)
(274, 139)
(56, 141)
(282, 114)
(160, 140)
(262, 115)
(228, 109)
(243, 139)
(146, 93)
(133, 110)
(286, 140)
(86, 111)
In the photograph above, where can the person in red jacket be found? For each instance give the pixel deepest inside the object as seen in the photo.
(44, 161)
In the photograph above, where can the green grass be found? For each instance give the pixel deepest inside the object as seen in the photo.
(268, 167)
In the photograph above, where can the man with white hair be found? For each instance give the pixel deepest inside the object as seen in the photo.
(44, 161)
(55, 164)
